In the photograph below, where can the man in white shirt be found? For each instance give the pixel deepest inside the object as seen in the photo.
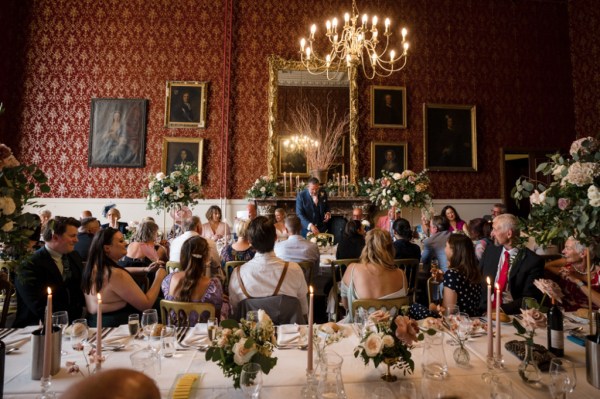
(297, 248)
(261, 275)
(192, 227)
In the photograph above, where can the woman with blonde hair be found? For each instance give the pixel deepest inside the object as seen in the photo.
(143, 255)
(192, 284)
(241, 249)
(376, 276)
(282, 232)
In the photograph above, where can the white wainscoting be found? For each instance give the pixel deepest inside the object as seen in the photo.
(135, 208)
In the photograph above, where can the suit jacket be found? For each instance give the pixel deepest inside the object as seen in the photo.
(520, 280)
(308, 212)
(434, 247)
(32, 281)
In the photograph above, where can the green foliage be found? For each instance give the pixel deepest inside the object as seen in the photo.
(403, 190)
(180, 188)
(263, 187)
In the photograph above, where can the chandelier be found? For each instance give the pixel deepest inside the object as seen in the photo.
(355, 45)
(299, 142)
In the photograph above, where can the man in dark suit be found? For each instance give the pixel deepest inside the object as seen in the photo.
(56, 265)
(512, 267)
(312, 208)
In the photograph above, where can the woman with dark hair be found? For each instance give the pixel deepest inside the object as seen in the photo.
(215, 229)
(353, 241)
(479, 231)
(403, 235)
(121, 296)
(191, 284)
(457, 225)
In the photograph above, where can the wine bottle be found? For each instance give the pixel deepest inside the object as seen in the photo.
(556, 340)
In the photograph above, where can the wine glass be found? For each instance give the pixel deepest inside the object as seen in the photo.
(79, 334)
(251, 380)
(149, 321)
(563, 378)
(501, 388)
(451, 317)
(61, 319)
(465, 326)
(360, 321)
(382, 393)
(408, 390)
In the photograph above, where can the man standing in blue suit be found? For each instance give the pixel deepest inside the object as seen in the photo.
(312, 208)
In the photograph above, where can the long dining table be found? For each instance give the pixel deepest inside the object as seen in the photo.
(288, 377)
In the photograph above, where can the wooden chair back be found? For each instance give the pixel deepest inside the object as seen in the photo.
(9, 290)
(171, 266)
(393, 306)
(338, 268)
(185, 314)
(307, 267)
(432, 286)
(410, 268)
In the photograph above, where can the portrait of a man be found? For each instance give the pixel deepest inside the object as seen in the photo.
(186, 104)
(450, 137)
(388, 106)
(177, 150)
(389, 157)
(117, 133)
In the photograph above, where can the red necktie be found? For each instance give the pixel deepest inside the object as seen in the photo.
(503, 277)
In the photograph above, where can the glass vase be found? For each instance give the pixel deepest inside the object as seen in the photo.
(528, 369)
(461, 356)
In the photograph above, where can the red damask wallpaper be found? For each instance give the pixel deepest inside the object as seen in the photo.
(510, 58)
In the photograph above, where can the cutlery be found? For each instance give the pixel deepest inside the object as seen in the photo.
(181, 334)
(5, 332)
(15, 345)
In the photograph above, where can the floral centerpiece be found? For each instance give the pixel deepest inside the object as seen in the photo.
(322, 241)
(179, 188)
(532, 318)
(263, 187)
(365, 186)
(325, 335)
(570, 204)
(246, 342)
(389, 341)
(331, 187)
(402, 190)
(18, 184)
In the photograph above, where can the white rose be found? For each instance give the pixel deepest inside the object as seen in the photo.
(167, 190)
(373, 345)
(7, 206)
(314, 240)
(593, 192)
(263, 189)
(393, 201)
(558, 171)
(534, 198)
(242, 355)
(160, 176)
(180, 194)
(388, 341)
(150, 185)
(8, 226)
(155, 198)
(175, 174)
(383, 201)
(406, 198)
(368, 191)
(221, 342)
(240, 333)
(257, 181)
(396, 176)
(262, 316)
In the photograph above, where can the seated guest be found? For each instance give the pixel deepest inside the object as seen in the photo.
(462, 280)
(193, 228)
(376, 276)
(89, 227)
(215, 229)
(352, 242)
(251, 208)
(55, 265)
(497, 209)
(178, 215)
(113, 215)
(297, 248)
(143, 255)
(261, 276)
(479, 231)
(191, 284)
(403, 234)
(241, 250)
(123, 383)
(571, 274)
(121, 296)
(85, 214)
(386, 223)
(357, 214)
(282, 233)
(457, 225)
(45, 216)
(434, 246)
(513, 267)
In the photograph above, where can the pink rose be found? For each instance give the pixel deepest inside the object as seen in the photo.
(564, 203)
(533, 318)
(379, 316)
(406, 329)
(550, 288)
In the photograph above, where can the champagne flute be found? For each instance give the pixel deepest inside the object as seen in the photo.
(251, 380)
(563, 378)
(134, 324)
(61, 319)
(211, 326)
(149, 321)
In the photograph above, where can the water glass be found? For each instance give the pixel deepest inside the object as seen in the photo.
(434, 358)
(61, 319)
(145, 361)
(149, 321)
(563, 378)
(434, 387)
(251, 380)
(501, 388)
(408, 390)
(382, 393)
(211, 326)
(79, 333)
(134, 324)
(167, 341)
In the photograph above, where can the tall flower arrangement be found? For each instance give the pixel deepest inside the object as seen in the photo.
(404, 190)
(263, 187)
(179, 188)
(18, 185)
(570, 204)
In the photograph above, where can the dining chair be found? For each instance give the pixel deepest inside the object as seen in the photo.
(393, 306)
(8, 289)
(338, 268)
(229, 266)
(432, 286)
(185, 314)
(307, 267)
(410, 268)
(282, 309)
(171, 266)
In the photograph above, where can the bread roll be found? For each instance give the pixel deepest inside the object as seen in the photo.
(503, 317)
(156, 330)
(582, 312)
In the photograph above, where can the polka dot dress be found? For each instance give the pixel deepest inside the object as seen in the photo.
(468, 294)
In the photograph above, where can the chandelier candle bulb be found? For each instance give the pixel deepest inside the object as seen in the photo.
(490, 332)
(313, 29)
(302, 44)
(346, 19)
(387, 25)
(328, 25)
(374, 21)
(404, 32)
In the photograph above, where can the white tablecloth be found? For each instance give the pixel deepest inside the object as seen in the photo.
(288, 376)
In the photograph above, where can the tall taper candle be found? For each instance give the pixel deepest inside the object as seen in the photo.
(99, 333)
(284, 184)
(291, 184)
(297, 182)
(498, 343)
(309, 365)
(47, 365)
(489, 319)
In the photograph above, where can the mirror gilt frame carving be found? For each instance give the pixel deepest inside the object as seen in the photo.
(276, 64)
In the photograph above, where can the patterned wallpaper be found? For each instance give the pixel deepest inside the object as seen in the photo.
(506, 57)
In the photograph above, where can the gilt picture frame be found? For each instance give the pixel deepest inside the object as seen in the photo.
(182, 149)
(388, 107)
(185, 105)
(389, 156)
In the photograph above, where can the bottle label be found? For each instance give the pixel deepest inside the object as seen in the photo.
(558, 339)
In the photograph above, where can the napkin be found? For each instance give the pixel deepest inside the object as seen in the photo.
(17, 343)
(196, 339)
(288, 334)
(200, 329)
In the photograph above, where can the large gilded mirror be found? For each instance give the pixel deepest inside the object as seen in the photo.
(289, 81)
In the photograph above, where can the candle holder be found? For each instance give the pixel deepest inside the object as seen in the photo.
(488, 376)
(309, 391)
(499, 362)
(46, 383)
